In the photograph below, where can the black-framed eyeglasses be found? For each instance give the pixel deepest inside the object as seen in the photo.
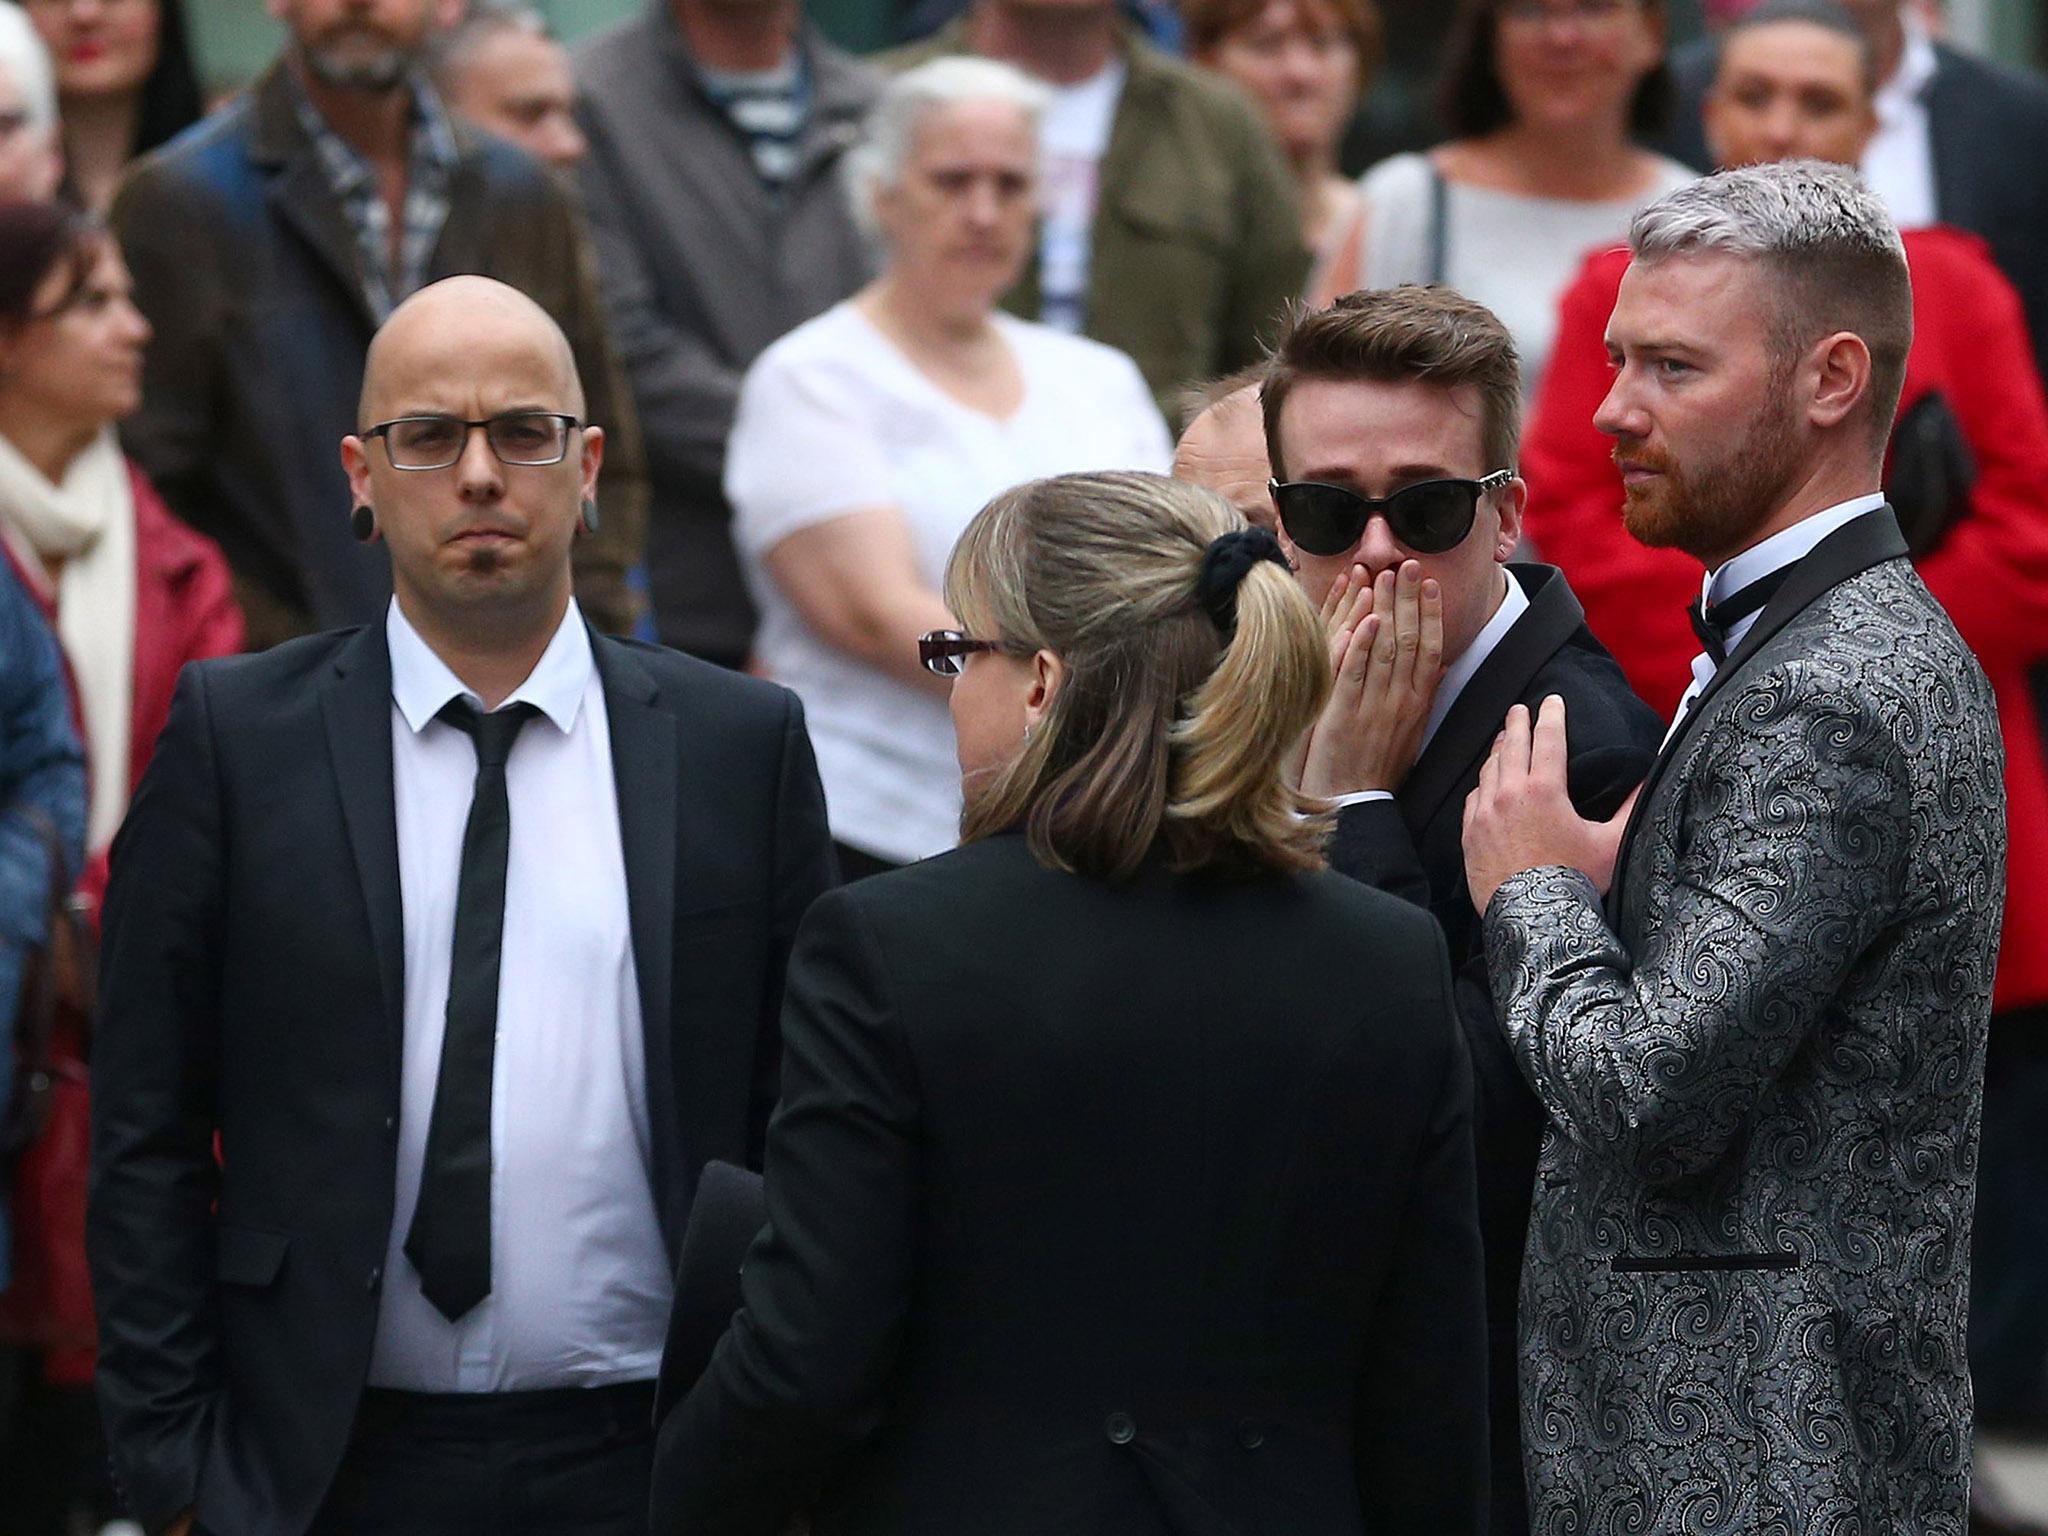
(945, 651)
(524, 438)
(1428, 518)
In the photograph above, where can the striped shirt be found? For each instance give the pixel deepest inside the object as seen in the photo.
(430, 166)
(769, 107)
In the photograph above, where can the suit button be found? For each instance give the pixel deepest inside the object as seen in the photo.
(1251, 1434)
(390, 1124)
(1120, 1428)
(376, 1277)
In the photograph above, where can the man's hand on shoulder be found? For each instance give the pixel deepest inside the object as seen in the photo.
(1387, 653)
(1521, 815)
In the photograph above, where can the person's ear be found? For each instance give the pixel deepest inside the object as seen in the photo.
(355, 463)
(1047, 673)
(593, 461)
(1511, 500)
(1840, 367)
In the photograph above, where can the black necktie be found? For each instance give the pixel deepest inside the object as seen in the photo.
(1713, 623)
(450, 1240)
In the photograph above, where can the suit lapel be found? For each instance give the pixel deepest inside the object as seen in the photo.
(1851, 549)
(644, 768)
(357, 708)
(299, 189)
(1468, 729)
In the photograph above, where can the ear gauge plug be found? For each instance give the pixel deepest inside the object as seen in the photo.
(363, 524)
(589, 516)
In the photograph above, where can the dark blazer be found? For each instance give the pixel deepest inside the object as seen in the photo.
(1413, 846)
(1977, 113)
(1139, 1210)
(248, 269)
(703, 267)
(252, 984)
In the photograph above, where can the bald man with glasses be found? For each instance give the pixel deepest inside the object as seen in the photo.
(463, 932)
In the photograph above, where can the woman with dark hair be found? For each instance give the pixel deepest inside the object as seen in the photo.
(1122, 1179)
(1306, 64)
(1543, 100)
(125, 84)
(133, 595)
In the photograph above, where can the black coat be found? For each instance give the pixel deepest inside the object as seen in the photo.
(1095, 1210)
(1979, 114)
(1413, 846)
(252, 983)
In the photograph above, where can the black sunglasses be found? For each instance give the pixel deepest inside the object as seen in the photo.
(945, 651)
(1428, 518)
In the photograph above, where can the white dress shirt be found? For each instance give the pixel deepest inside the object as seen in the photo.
(1513, 604)
(1753, 564)
(1898, 162)
(580, 1283)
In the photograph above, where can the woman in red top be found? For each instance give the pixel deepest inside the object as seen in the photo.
(133, 595)
(1988, 566)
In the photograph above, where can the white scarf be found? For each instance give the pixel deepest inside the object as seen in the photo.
(85, 527)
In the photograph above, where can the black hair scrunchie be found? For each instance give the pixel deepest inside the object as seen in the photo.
(1224, 564)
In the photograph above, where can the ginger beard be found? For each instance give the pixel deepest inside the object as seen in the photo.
(1708, 505)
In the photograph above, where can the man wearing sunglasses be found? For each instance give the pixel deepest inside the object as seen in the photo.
(1391, 422)
(465, 931)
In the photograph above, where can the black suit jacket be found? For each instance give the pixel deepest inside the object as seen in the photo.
(1979, 116)
(252, 984)
(1092, 1209)
(1413, 846)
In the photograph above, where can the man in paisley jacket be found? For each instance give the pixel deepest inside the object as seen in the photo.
(1762, 1056)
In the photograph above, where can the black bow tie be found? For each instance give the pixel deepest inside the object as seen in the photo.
(1713, 623)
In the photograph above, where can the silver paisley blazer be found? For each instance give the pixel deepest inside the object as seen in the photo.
(1743, 1297)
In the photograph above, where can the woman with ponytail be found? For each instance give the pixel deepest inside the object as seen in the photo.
(1122, 1179)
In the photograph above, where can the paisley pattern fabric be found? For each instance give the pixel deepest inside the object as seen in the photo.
(1743, 1298)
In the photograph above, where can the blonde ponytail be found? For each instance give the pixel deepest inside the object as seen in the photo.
(1165, 729)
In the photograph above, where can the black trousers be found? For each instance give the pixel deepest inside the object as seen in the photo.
(568, 1462)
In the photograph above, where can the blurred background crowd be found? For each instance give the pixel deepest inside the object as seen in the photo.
(823, 320)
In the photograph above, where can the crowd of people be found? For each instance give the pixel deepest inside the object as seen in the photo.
(1363, 853)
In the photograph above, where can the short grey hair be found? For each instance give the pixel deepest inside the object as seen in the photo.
(1827, 242)
(26, 63)
(877, 158)
(484, 20)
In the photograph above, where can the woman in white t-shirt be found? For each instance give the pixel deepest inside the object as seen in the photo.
(1544, 100)
(867, 438)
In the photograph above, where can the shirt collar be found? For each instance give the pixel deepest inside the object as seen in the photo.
(421, 683)
(432, 139)
(1514, 603)
(1783, 547)
(1917, 65)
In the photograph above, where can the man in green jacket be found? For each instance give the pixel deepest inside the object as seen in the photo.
(1169, 226)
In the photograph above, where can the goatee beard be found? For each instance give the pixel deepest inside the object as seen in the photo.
(375, 74)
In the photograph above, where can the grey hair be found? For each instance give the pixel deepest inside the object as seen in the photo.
(483, 20)
(878, 157)
(27, 63)
(1825, 240)
(1785, 212)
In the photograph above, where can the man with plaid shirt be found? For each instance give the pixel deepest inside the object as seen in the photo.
(269, 242)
